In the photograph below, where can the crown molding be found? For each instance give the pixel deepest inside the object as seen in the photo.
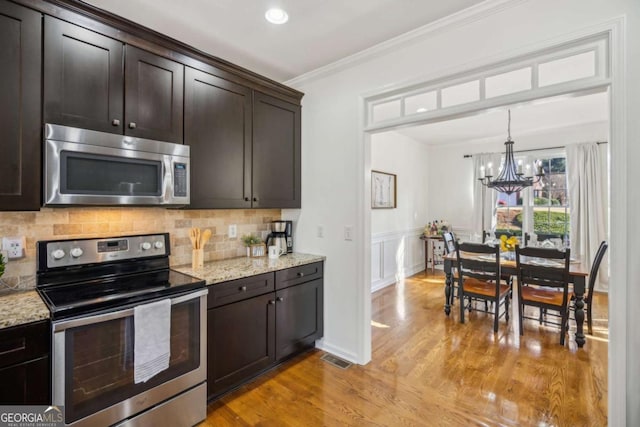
(458, 19)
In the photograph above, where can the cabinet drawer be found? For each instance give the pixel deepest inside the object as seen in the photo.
(297, 275)
(237, 290)
(24, 342)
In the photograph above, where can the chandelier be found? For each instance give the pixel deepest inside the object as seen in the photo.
(511, 177)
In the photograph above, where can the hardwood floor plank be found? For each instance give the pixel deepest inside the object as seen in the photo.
(428, 369)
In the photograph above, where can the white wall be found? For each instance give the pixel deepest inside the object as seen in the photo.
(396, 249)
(407, 158)
(336, 163)
(448, 160)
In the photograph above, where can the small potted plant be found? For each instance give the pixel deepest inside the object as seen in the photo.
(255, 246)
(2, 264)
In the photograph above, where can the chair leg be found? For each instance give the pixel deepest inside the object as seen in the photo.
(461, 295)
(520, 309)
(496, 316)
(540, 315)
(563, 327)
(506, 307)
(589, 324)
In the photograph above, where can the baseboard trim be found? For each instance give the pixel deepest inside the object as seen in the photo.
(337, 351)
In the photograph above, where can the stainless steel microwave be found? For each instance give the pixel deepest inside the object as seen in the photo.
(86, 167)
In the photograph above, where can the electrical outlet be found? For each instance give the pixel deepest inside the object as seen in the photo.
(233, 231)
(14, 247)
(348, 232)
(320, 230)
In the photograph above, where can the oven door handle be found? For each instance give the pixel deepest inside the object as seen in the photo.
(73, 323)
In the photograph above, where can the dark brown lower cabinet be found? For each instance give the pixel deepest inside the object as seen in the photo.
(298, 318)
(240, 342)
(249, 336)
(24, 364)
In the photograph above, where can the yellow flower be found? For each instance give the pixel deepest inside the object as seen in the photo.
(508, 244)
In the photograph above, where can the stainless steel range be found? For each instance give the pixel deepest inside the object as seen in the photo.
(97, 291)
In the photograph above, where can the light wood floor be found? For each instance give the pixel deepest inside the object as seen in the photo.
(429, 370)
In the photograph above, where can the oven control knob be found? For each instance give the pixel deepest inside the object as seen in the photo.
(158, 245)
(146, 246)
(76, 252)
(58, 254)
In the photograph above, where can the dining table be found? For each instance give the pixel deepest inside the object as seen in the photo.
(578, 273)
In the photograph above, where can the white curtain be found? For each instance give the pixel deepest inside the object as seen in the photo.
(484, 199)
(587, 176)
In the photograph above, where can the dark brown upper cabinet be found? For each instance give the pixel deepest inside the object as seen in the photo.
(95, 82)
(20, 96)
(217, 127)
(83, 79)
(153, 96)
(276, 153)
(244, 153)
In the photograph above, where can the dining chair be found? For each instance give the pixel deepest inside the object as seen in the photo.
(479, 270)
(543, 282)
(593, 274)
(450, 247)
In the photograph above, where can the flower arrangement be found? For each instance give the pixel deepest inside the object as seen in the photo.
(508, 244)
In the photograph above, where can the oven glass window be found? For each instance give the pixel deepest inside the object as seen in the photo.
(99, 360)
(109, 175)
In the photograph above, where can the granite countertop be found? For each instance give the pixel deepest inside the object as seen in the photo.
(238, 268)
(18, 308)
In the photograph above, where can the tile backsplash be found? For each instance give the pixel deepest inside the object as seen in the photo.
(70, 223)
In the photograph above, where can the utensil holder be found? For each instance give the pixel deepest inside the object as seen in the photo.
(197, 258)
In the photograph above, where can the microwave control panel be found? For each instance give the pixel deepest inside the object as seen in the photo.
(180, 180)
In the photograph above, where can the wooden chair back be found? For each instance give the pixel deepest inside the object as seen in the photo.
(449, 242)
(478, 261)
(595, 267)
(544, 267)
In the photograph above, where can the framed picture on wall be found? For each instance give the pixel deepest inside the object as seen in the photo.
(383, 190)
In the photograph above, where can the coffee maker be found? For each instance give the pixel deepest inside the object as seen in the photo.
(278, 236)
(289, 234)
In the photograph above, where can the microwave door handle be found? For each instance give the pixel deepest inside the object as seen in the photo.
(73, 323)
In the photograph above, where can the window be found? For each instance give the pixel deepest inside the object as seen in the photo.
(546, 204)
(551, 200)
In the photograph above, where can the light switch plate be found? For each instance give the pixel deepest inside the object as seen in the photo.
(14, 247)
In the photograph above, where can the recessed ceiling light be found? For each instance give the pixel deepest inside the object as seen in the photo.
(421, 110)
(276, 16)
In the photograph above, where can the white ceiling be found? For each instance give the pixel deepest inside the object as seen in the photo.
(525, 119)
(318, 33)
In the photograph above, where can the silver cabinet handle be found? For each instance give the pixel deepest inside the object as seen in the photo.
(279, 299)
(132, 125)
(115, 122)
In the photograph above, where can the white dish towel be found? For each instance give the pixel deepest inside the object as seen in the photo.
(152, 332)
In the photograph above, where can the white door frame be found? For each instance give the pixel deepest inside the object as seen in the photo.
(617, 357)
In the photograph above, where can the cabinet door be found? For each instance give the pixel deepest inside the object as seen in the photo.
(240, 342)
(217, 127)
(20, 82)
(83, 78)
(276, 153)
(26, 383)
(153, 96)
(299, 317)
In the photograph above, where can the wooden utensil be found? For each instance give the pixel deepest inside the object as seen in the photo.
(192, 237)
(206, 235)
(198, 239)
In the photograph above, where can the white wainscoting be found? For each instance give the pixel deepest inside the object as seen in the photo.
(394, 256)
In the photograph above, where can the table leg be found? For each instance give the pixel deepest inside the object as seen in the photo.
(578, 290)
(447, 287)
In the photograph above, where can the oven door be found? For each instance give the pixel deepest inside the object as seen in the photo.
(93, 363)
(85, 167)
